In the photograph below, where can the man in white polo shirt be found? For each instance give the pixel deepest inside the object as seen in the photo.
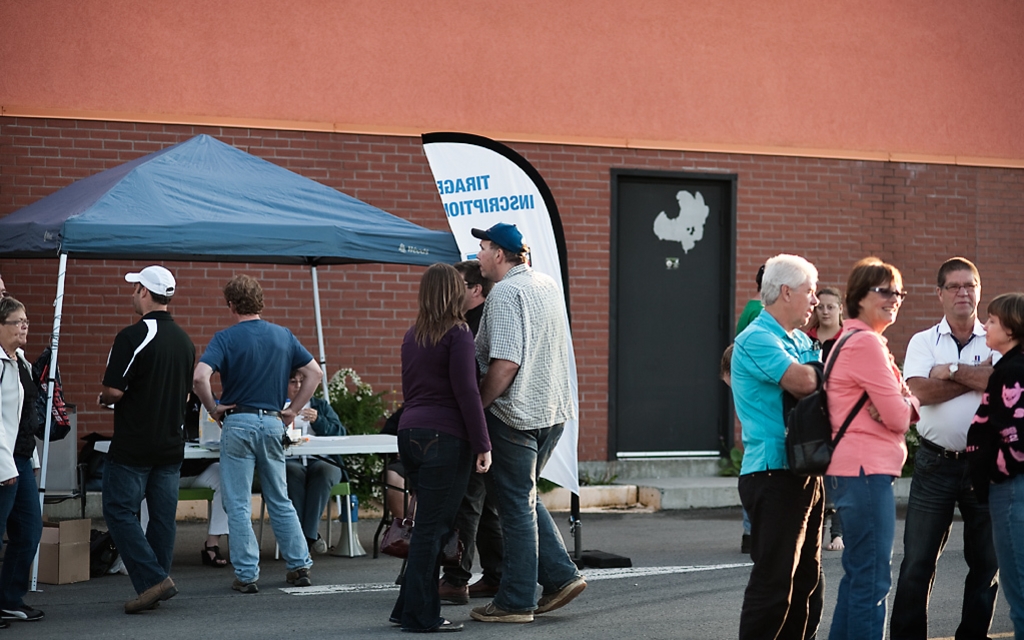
(947, 368)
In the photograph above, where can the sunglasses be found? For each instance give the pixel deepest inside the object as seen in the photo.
(888, 293)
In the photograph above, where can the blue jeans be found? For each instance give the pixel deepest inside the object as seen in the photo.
(867, 505)
(24, 527)
(437, 467)
(147, 556)
(251, 442)
(1006, 503)
(941, 484)
(8, 498)
(534, 551)
(309, 489)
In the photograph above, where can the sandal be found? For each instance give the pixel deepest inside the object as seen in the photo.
(217, 560)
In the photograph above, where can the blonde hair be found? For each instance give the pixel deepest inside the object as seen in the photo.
(442, 294)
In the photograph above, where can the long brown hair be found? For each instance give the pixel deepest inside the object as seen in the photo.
(442, 294)
(813, 323)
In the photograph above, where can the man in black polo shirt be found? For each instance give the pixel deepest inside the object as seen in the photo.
(148, 377)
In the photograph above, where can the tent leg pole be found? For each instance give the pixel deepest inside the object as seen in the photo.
(58, 308)
(319, 329)
(576, 527)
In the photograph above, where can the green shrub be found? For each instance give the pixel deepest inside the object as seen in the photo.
(730, 467)
(913, 442)
(362, 412)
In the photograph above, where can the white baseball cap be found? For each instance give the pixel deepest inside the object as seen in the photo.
(155, 278)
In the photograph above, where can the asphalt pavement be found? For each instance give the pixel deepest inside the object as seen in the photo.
(687, 581)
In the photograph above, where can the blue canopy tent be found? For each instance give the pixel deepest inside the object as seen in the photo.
(205, 200)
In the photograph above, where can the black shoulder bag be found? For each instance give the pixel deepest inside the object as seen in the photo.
(809, 442)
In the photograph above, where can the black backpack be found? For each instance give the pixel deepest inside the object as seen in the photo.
(102, 553)
(809, 442)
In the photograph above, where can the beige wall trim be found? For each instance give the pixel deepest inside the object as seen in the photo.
(14, 111)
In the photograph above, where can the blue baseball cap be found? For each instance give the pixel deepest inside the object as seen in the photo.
(504, 235)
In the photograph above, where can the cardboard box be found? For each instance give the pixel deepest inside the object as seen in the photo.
(64, 552)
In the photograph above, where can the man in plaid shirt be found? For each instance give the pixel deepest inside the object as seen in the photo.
(522, 348)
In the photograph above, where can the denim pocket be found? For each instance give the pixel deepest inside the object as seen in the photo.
(420, 445)
(234, 441)
(521, 437)
(926, 461)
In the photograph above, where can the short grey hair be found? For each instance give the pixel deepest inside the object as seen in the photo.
(785, 269)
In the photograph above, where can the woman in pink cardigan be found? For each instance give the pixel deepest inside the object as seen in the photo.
(872, 451)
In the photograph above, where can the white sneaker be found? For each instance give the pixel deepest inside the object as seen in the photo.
(836, 544)
(320, 546)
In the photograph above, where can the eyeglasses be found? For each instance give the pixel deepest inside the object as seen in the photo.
(4, 294)
(888, 293)
(13, 323)
(954, 287)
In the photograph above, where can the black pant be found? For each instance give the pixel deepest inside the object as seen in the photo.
(940, 485)
(784, 597)
(437, 467)
(479, 528)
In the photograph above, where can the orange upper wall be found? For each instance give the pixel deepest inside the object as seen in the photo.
(936, 77)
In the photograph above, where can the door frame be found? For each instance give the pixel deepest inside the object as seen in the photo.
(727, 304)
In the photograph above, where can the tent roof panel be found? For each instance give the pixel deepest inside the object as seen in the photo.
(206, 200)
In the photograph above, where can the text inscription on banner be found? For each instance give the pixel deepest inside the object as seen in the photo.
(480, 188)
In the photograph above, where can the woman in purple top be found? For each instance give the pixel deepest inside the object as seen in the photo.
(441, 433)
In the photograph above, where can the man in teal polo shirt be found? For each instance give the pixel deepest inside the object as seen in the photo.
(783, 598)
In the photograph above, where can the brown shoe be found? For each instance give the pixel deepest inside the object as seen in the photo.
(491, 613)
(482, 589)
(450, 593)
(164, 590)
(299, 577)
(562, 597)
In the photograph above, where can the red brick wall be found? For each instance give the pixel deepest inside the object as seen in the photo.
(834, 212)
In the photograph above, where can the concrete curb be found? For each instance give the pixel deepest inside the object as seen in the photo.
(592, 497)
(642, 493)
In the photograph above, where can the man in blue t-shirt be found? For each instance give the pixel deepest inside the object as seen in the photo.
(254, 359)
(783, 598)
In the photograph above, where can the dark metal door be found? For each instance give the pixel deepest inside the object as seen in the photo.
(672, 295)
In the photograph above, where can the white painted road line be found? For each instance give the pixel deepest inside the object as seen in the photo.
(638, 572)
(590, 574)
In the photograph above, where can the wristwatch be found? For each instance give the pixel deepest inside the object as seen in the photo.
(953, 368)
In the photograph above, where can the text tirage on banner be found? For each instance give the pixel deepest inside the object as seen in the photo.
(482, 183)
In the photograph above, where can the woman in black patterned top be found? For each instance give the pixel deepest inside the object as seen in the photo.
(995, 450)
